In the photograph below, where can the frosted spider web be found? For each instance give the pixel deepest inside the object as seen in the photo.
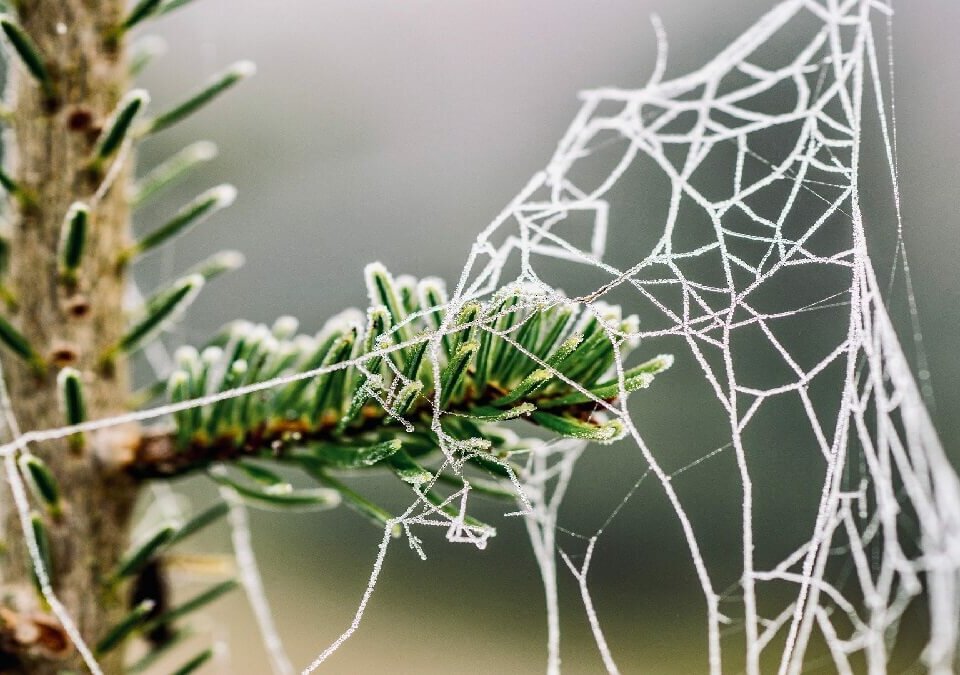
(706, 296)
(882, 533)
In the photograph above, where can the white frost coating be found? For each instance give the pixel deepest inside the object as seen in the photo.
(542, 528)
(252, 585)
(367, 593)
(244, 68)
(580, 574)
(871, 439)
(225, 195)
(141, 94)
(202, 151)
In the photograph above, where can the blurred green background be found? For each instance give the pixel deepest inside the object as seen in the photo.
(394, 131)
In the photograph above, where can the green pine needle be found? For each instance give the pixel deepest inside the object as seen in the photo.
(171, 5)
(117, 128)
(573, 428)
(195, 663)
(43, 548)
(141, 11)
(171, 171)
(8, 183)
(156, 318)
(214, 88)
(198, 210)
(124, 628)
(280, 497)
(73, 239)
(143, 551)
(198, 601)
(200, 521)
(70, 385)
(20, 346)
(28, 52)
(42, 482)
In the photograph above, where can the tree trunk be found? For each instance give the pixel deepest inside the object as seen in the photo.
(48, 150)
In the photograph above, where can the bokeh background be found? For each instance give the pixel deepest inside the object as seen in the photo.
(394, 131)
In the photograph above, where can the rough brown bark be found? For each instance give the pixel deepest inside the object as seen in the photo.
(48, 150)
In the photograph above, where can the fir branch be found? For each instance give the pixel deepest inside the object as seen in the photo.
(364, 401)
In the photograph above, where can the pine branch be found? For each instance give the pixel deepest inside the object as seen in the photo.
(363, 397)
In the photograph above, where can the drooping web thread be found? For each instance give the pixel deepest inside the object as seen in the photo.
(884, 536)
